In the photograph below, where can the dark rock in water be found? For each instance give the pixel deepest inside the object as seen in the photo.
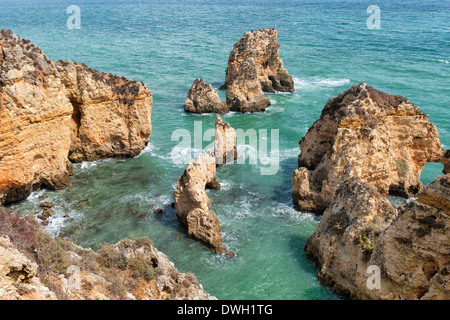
(214, 185)
(46, 204)
(263, 48)
(230, 254)
(48, 213)
(202, 98)
(158, 211)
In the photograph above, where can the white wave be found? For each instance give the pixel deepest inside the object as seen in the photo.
(180, 156)
(148, 149)
(444, 61)
(225, 185)
(289, 153)
(319, 82)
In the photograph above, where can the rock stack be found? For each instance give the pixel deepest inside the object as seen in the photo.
(192, 203)
(262, 46)
(254, 67)
(202, 98)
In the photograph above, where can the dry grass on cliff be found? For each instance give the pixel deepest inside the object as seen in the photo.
(55, 255)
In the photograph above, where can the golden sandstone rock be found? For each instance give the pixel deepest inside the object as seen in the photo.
(366, 145)
(381, 138)
(263, 48)
(51, 112)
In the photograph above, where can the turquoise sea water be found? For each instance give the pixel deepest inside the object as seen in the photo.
(325, 45)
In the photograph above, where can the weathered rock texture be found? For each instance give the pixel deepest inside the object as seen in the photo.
(225, 149)
(18, 280)
(262, 46)
(35, 117)
(202, 98)
(410, 245)
(50, 112)
(383, 139)
(128, 270)
(192, 203)
(111, 114)
(244, 91)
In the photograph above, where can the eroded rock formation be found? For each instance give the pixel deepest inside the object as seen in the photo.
(383, 139)
(202, 98)
(361, 231)
(15, 269)
(192, 203)
(244, 91)
(262, 46)
(111, 114)
(35, 117)
(128, 270)
(225, 149)
(51, 112)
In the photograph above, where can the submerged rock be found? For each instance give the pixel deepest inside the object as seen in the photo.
(202, 98)
(51, 112)
(192, 203)
(361, 231)
(263, 48)
(244, 91)
(383, 139)
(225, 149)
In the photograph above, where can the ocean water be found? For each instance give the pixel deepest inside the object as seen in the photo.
(325, 45)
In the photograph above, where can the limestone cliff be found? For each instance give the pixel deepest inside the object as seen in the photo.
(35, 121)
(409, 245)
(383, 139)
(262, 46)
(51, 112)
(111, 114)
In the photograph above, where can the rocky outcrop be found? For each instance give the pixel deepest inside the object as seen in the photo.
(383, 139)
(263, 48)
(202, 98)
(18, 280)
(361, 231)
(192, 203)
(244, 91)
(225, 149)
(128, 270)
(51, 112)
(35, 121)
(111, 114)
